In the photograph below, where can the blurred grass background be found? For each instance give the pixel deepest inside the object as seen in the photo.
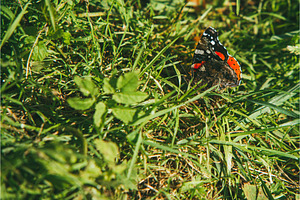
(88, 113)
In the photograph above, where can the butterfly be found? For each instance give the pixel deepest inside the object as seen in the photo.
(213, 64)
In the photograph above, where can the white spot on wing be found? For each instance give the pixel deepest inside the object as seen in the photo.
(199, 51)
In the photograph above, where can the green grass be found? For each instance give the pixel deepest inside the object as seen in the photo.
(88, 112)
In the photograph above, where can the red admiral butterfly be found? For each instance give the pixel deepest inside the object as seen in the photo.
(212, 63)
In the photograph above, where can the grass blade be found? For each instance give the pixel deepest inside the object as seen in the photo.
(135, 154)
(277, 108)
(158, 55)
(162, 112)
(50, 9)
(271, 152)
(13, 26)
(238, 7)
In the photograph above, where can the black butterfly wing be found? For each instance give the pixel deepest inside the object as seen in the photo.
(212, 36)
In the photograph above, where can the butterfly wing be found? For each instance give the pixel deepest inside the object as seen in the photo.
(212, 36)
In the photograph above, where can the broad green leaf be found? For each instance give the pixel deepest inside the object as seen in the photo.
(86, 86)
(91, 171)
(120, 168)
(129, 82)
(40, 52)
(261, 195)
(190, 186)
(130, 97)
(61, 179)
(108, 89)
(61, 34)
(130, 183)
(99, 113)
(67, 38)
(109, 150)
(250, 191)
(81, 104)
(124, 114)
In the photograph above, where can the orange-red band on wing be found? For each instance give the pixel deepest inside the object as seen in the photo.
(222, 56)
(232, 62)
(198, 65)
